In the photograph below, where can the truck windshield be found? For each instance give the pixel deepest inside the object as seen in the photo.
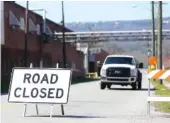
(119, 60)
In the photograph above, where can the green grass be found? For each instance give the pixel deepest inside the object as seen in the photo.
(161, 90)
(4, 87)
(82, 80)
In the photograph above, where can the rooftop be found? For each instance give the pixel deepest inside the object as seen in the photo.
(120, 56)
(48, 20)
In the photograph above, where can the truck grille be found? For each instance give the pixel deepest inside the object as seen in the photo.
(118, 72)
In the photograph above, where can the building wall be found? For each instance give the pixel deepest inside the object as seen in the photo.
(72, 56)
(2, 22)
(13, 50)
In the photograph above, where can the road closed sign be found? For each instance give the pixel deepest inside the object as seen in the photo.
(40, 85)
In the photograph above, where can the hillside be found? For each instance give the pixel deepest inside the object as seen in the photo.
(138, 49)
(116, 25)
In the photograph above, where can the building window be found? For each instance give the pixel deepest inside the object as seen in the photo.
(22, 23)
(38, 29)
(13, 21)
(32, 26)
(48, 30)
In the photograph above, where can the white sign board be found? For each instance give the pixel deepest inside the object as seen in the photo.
(40, 85)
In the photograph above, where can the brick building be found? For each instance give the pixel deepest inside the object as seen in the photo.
(166, 62)
(12, 47)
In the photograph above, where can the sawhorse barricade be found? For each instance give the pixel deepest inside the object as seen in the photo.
(37, 86)
(157, 74)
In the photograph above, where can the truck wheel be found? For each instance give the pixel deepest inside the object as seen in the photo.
(134, 86)
(140, 82)
(140, 85)
(108, 86)
(102, 86)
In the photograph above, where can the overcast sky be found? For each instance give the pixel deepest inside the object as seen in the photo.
(76, 11)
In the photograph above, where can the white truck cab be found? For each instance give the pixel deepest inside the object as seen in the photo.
(121, 70)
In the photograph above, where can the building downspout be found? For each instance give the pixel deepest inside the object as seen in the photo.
(41, 43)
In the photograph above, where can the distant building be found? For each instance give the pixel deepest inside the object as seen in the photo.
(166, 62)
(96, 54)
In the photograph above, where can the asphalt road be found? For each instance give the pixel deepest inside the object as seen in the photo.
(87, 103)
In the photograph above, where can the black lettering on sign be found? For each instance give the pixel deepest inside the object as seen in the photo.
(15, 92)
(51, 92)
(45, 79)
(54, 78)
(24, 93)
(43, 92)
(59, 93)
(27, 77)
(35, 78)
(34, 92)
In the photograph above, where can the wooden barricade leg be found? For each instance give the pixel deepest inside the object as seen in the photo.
(148, 102)
(62, 106)
(37, 109)
(25, 110)
(25, 105)
(51, 112)
(52, 106)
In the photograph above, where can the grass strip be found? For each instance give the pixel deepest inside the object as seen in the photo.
(82, 80)
(161, 90)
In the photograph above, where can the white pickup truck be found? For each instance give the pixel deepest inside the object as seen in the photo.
(121, 70)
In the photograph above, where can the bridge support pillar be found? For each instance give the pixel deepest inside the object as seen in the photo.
(86, 59)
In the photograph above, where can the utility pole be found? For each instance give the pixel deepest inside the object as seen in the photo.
(153, 30)
(26, 38)
(42, 33)
(63, 48)
(41, 40)
(160, 36)
(87, 56)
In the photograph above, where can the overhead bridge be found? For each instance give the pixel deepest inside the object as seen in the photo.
(102, 36)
